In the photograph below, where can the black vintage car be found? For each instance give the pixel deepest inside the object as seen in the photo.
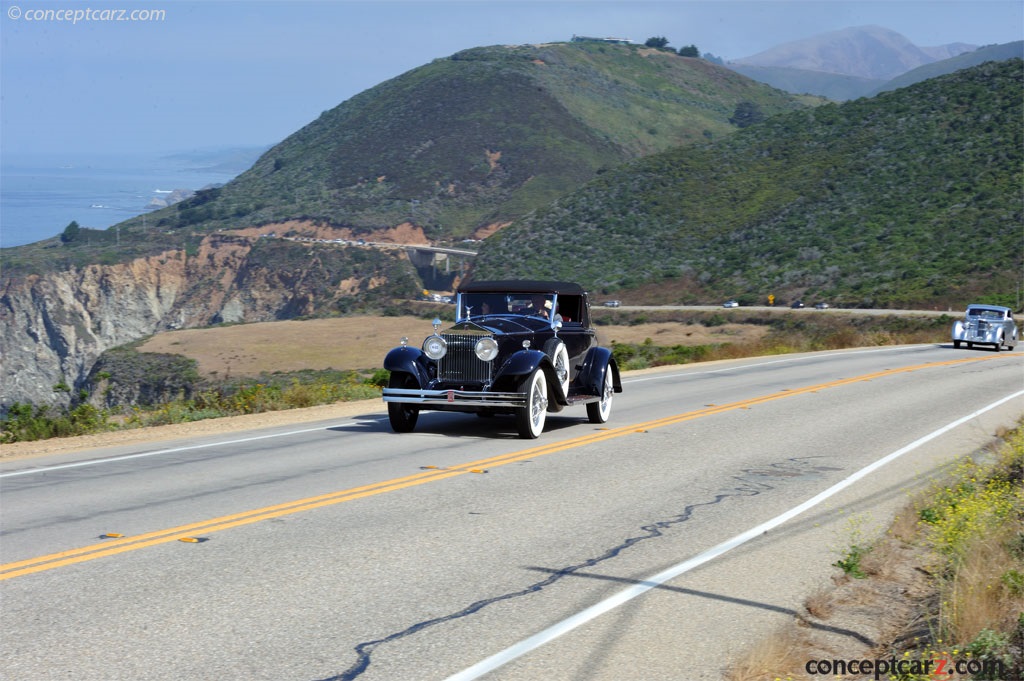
(517, 347)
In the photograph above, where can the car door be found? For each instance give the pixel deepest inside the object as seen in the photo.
(576, 331)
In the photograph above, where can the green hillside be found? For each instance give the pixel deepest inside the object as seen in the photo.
(913, 197)
(481, 137)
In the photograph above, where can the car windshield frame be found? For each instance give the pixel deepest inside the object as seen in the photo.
(472, 306)
(985, 312)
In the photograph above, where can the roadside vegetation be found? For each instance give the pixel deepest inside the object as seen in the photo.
(946, 582)
(132, 389)
(787, 333)
(273, 392)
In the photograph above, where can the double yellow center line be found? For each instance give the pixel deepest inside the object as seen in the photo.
(188, 532)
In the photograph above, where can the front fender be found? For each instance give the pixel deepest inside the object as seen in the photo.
(520, 364)
(408, 360)
(590, 379)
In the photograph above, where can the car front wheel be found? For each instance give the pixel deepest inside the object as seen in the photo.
(402, 416)
(560, 359)
(598, 412)
(530, 419)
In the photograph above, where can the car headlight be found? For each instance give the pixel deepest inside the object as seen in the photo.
(486, 349)
(435, 347)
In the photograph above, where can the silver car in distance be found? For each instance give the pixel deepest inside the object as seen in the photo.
(986, 325)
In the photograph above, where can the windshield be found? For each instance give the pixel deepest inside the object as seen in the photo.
(984, 313)
(474, 305)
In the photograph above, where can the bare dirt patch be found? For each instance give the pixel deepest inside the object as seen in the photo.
(487, 230)
(404, 233)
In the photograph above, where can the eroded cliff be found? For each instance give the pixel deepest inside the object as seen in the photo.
(54, 327)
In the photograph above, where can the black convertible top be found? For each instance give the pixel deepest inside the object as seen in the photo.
(521, 286)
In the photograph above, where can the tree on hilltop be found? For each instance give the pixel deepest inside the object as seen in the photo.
(660, 41)
(70, 232)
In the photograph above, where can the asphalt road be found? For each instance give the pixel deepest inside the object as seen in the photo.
(659, 546)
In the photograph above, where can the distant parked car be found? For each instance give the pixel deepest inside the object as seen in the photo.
(525, 348)
(986, 325)
(821, 306)
(612, 303)
(730, 303)
(797, 304)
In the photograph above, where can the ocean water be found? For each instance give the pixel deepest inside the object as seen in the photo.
(41, 193)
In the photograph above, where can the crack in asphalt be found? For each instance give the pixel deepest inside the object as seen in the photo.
(753, 481)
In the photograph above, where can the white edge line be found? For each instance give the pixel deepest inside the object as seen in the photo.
(126, 457)
(537, 640)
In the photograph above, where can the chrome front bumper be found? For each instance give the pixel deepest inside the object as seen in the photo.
(974, 336)
(454, 398)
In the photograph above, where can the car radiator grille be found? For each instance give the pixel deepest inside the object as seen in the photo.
(460, 364)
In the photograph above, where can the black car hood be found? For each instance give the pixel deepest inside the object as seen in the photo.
(504, 324)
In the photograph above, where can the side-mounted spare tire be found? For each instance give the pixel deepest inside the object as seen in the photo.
(559, 356)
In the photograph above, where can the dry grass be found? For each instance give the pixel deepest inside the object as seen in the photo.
(820, 604)
(773, 657)
(673, 333)
(357, 343)
(251, 349)
(905, 525)
(978, 596)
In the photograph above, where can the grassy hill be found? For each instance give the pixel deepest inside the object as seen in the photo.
(477, 139)
(483, 136)
(910, 198)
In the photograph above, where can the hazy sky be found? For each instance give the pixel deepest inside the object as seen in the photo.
(250, 72)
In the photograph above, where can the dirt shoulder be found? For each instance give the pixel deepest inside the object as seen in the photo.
(229, 424)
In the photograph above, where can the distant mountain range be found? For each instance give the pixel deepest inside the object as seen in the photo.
(869, 52)
(1014, 50)
(861, 61)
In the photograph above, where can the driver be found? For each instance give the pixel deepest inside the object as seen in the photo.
(541, 306)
